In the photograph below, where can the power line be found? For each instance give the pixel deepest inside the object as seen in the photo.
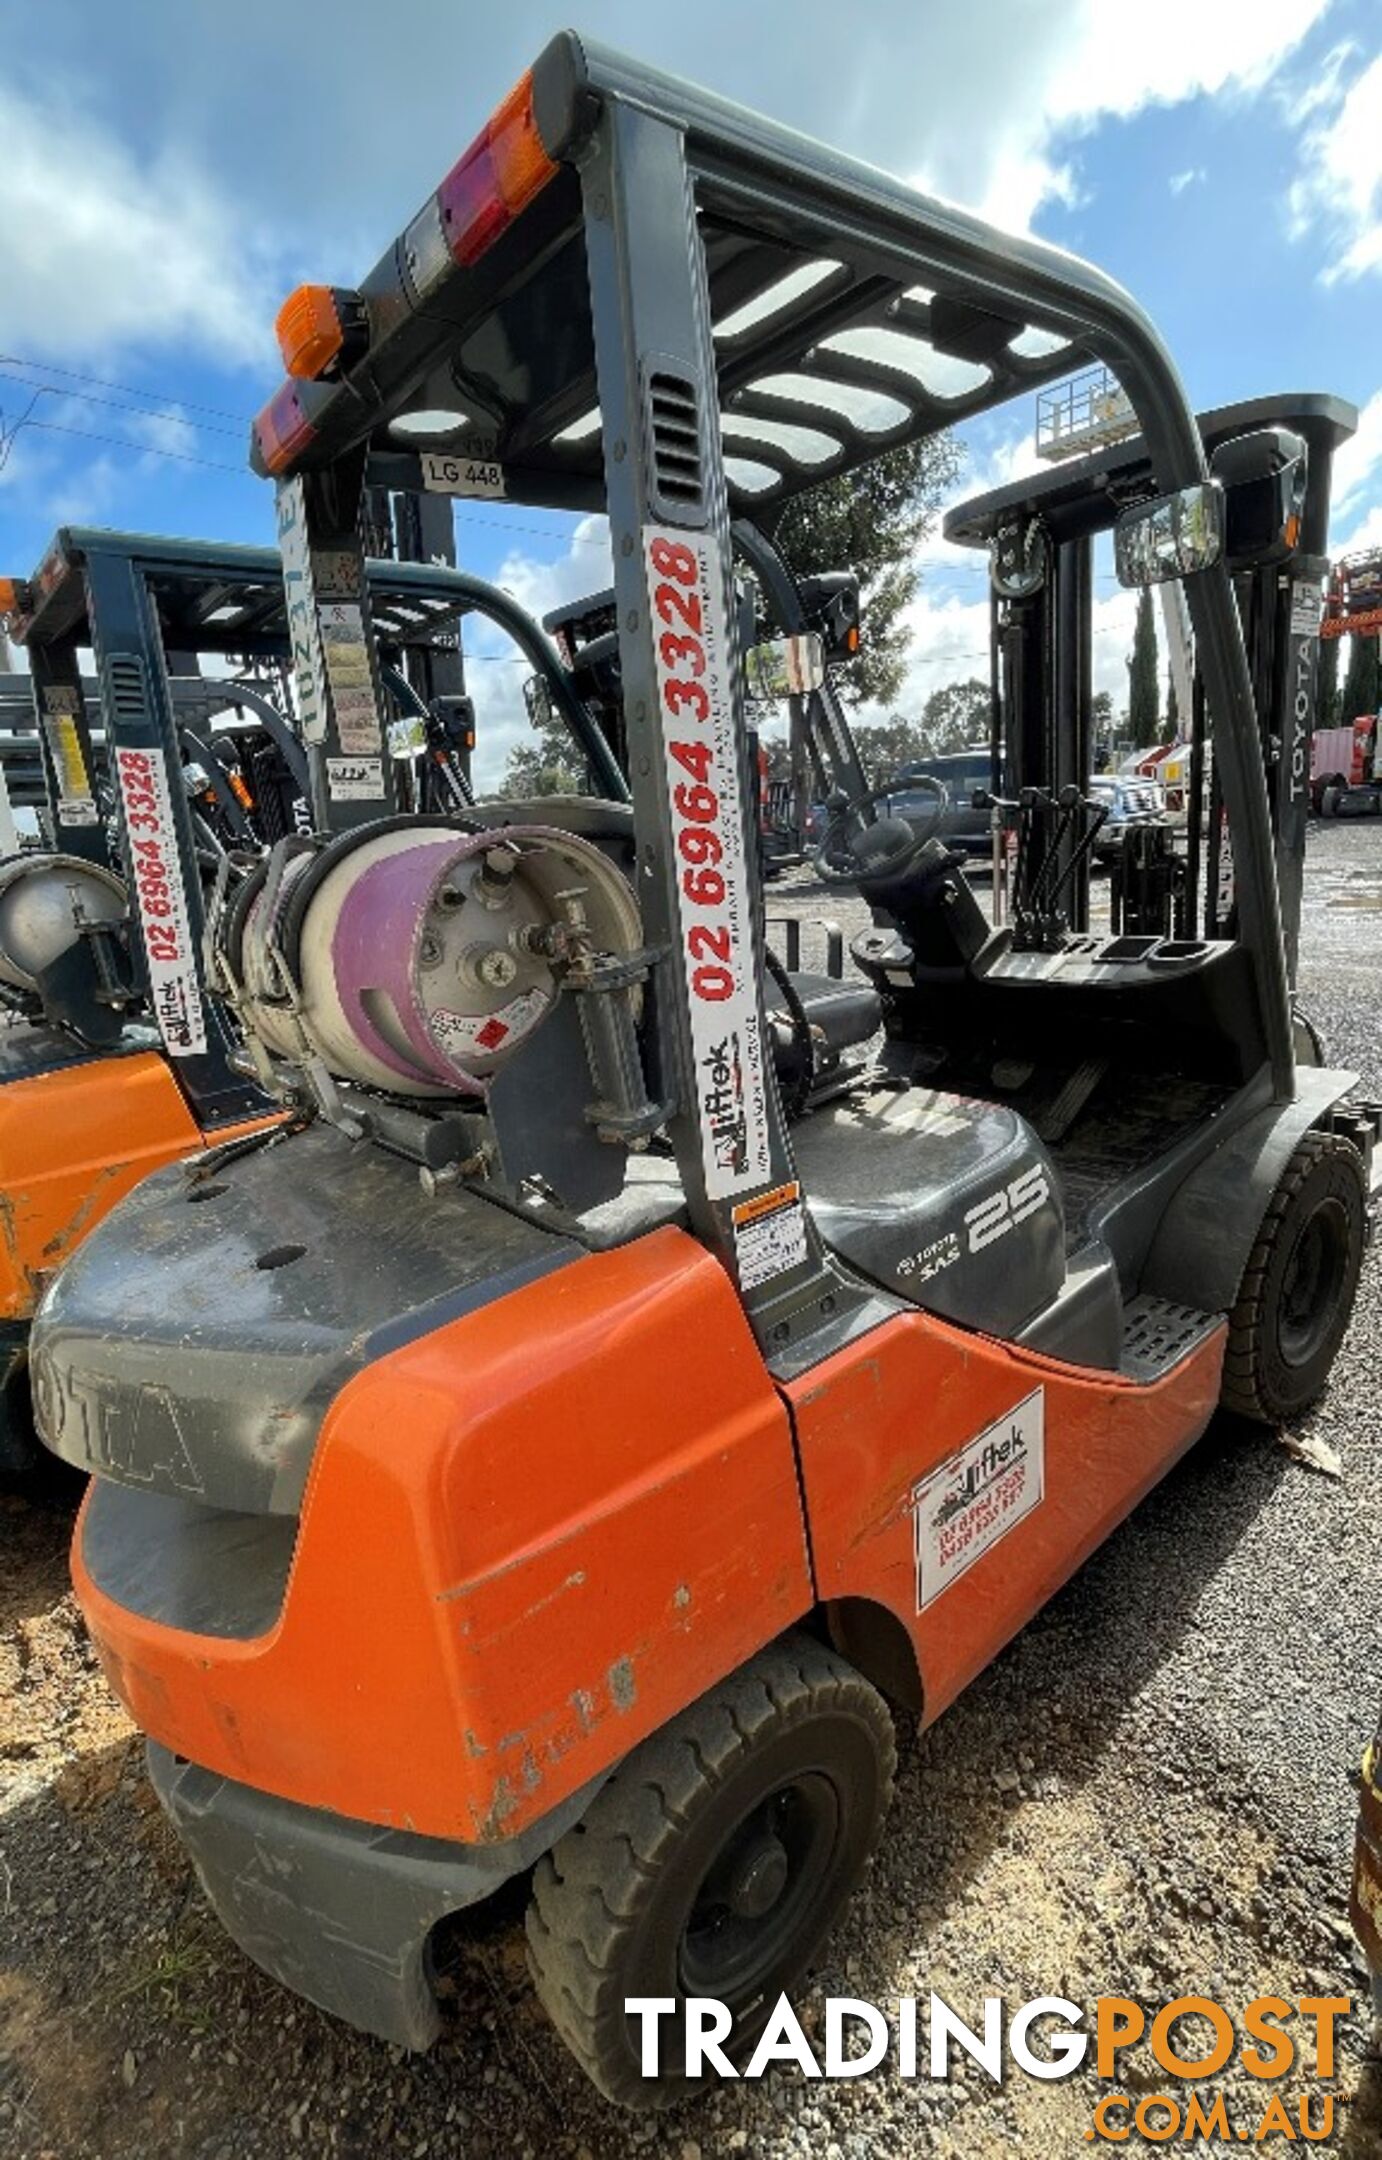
(130, 442)
(155, 397)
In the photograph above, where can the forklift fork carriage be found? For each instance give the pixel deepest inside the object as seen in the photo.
(465, 1512)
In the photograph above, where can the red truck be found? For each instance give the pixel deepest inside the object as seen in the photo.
(1345, 769)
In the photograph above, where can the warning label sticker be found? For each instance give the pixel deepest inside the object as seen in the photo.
(472, 1034)
(1305, 608)
(769, 1235)
(973, 1499)
(355, 779)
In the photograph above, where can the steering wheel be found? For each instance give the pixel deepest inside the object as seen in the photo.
(884, 847)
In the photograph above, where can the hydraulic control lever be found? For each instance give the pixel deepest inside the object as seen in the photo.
(1054, 838)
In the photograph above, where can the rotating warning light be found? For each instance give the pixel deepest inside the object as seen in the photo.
(317, 327)
(501, 172)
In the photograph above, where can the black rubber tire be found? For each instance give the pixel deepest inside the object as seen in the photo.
(613, 1902)
(1330, 798)
(1296, 1296)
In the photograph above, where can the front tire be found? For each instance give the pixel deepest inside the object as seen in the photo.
(1297, 1292)
(713, 1863)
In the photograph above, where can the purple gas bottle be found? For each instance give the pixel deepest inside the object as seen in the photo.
(420, 957)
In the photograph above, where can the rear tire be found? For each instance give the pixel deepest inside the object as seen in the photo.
(713, 1863)
(1296, 1296)
(1330, 799)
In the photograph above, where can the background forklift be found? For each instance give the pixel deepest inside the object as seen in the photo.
(587, 1429)
(1275, 457)
(116, 1061)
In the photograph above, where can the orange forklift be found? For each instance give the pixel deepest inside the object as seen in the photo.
(549, 1450)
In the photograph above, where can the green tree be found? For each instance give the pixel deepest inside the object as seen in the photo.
(1361, 692)
(872, 521)
(1172, 726)
(1142, 676)
(1327, 686)
(544, 762)
(887, 744)
(957, 716)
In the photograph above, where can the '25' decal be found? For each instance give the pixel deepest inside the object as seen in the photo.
(988, 1220)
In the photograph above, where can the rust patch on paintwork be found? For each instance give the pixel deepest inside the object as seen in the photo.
(623, 1689)
(64, 1239)
(10, 1233)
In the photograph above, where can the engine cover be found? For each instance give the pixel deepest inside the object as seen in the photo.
(949, 1202)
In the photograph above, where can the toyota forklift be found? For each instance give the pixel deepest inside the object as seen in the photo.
(1274, 457)
(548, 1452)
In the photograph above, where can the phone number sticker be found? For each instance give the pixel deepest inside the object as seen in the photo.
(174, 988)
(976, 1496)
(686, 599)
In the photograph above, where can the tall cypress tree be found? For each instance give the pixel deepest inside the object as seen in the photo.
(1361, 686)
(1143, 714)
(1327, 685)
(1172, 728)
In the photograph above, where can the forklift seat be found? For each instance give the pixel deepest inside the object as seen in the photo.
(948, 1202)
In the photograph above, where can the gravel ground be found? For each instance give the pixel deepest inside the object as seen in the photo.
(1149, 1793)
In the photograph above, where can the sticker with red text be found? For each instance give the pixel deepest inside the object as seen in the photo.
(686, 596)
(976, 1496)
(174, 987)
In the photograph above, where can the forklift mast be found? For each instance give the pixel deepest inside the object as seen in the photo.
(1041, 641)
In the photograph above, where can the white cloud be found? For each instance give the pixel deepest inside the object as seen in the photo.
(1023, 80)
(1356, 461)
(1193, 176)
(168, 430)
(1337, 195)
(100, 251)
(1356, 500)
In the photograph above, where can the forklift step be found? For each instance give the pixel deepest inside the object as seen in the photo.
(1158, 1334)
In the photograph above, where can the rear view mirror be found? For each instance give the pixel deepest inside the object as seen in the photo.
(1264, 476)
(407, 737)
(1172, 537)
(786, 667)
(537, 699)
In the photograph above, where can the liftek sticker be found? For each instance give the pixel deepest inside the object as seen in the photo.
(686, 597)
(769, 1235)
(966, 1506)
(480, 477)
(174, 986)
(355, 779)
